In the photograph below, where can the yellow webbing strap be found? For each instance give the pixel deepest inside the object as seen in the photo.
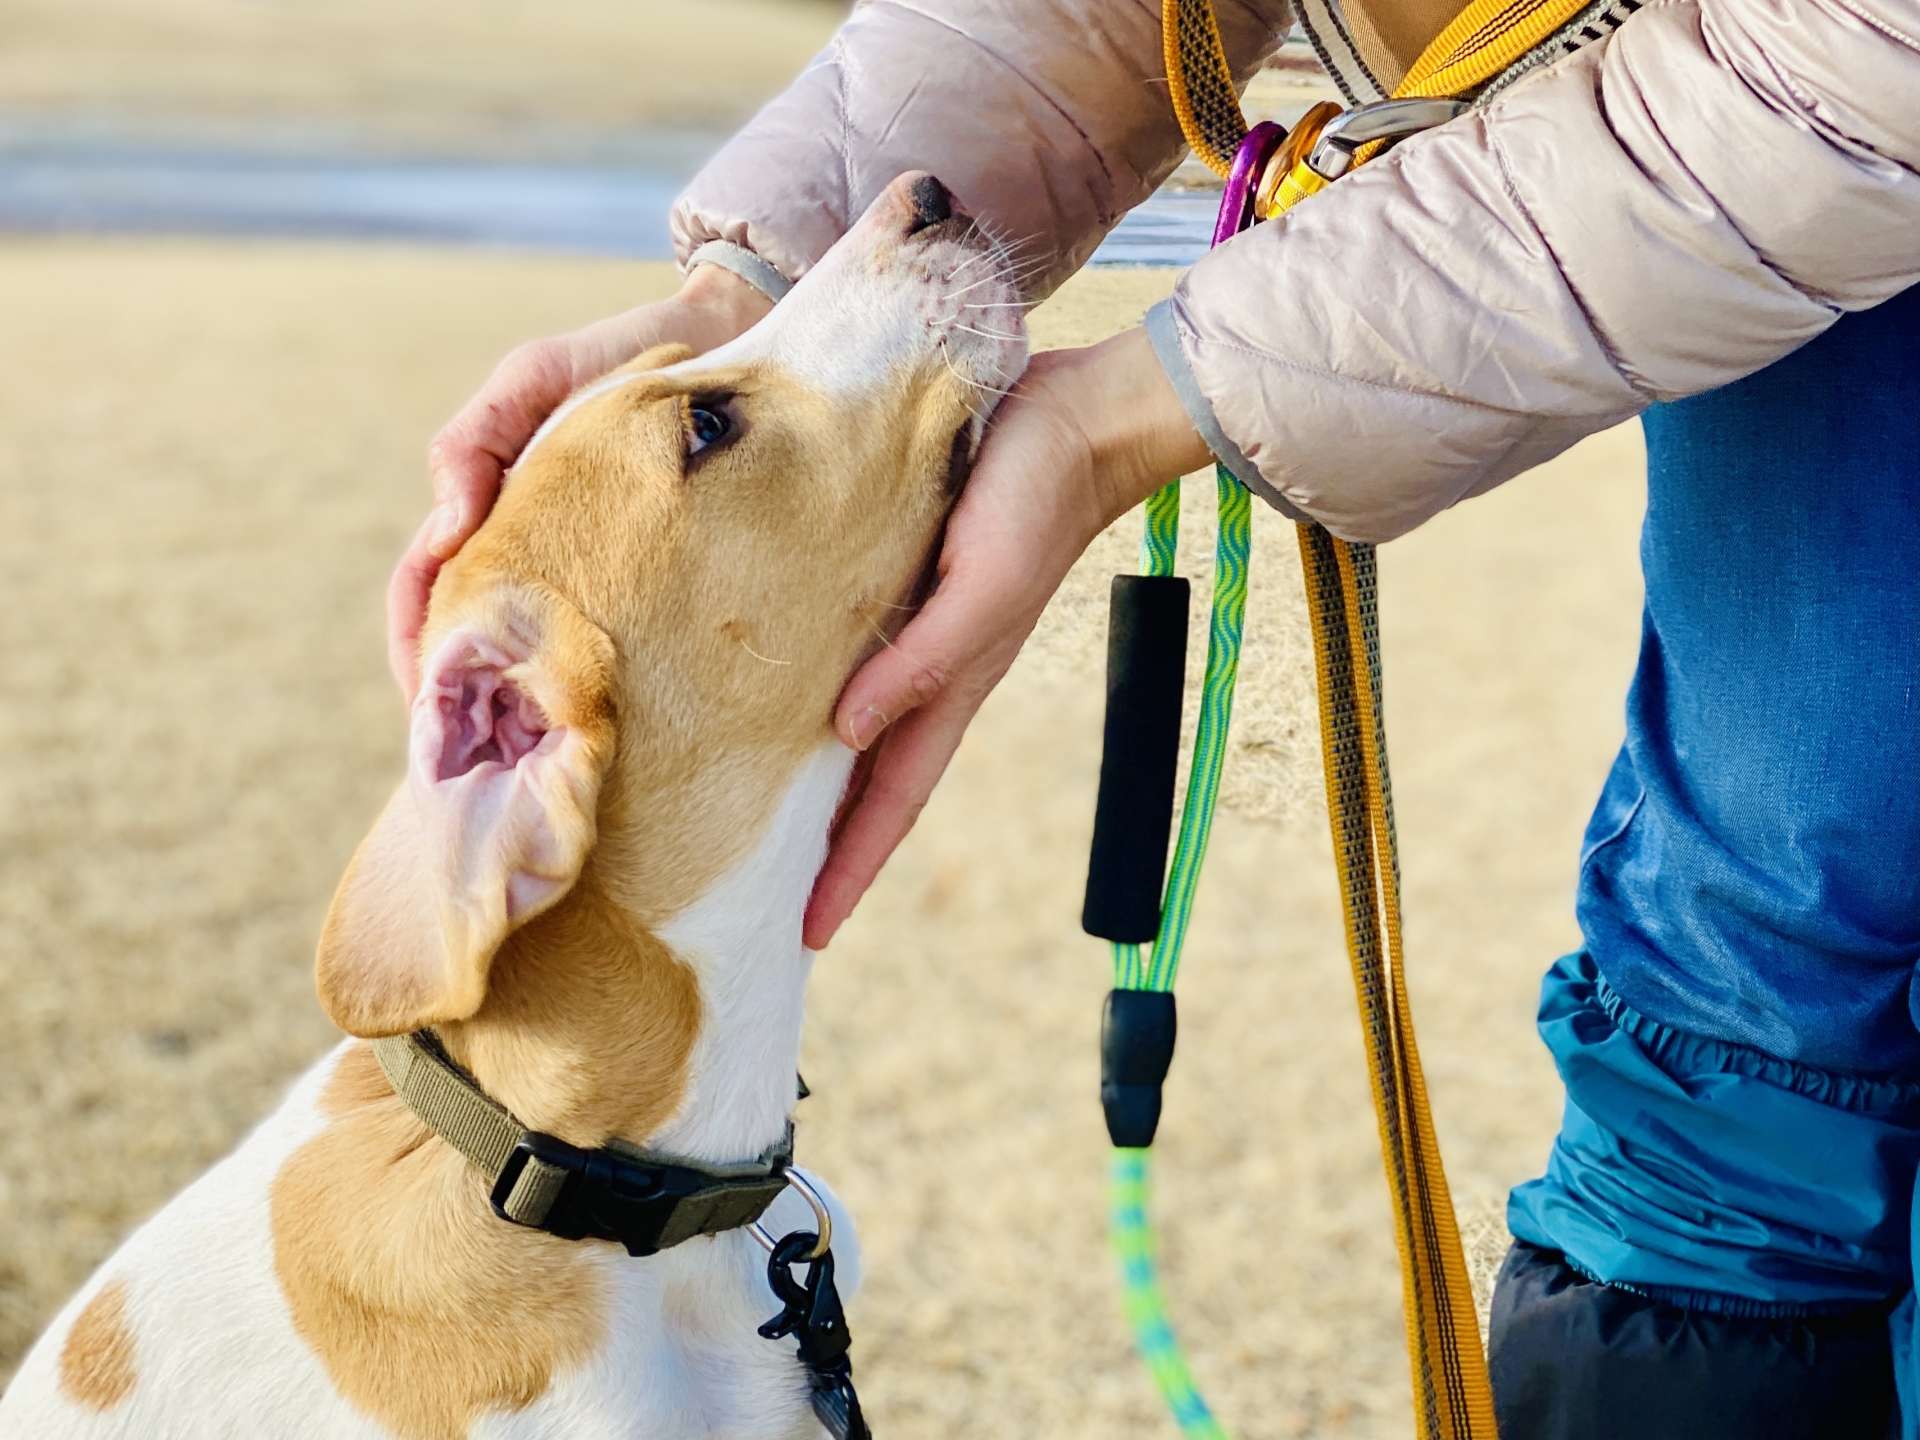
(1201, 82)
(1452, 1397)
(1482, 40)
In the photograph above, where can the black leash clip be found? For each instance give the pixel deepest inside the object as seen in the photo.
(814, 1315)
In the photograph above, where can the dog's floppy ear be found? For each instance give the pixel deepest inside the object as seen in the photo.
(511, 733)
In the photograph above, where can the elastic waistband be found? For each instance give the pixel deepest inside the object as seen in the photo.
(1681, 1055)
(1741, 1307)
(1715, 1177)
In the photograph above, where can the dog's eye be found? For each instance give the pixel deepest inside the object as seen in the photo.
(706, 425)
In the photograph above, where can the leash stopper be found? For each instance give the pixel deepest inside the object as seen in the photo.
(1137, 1030)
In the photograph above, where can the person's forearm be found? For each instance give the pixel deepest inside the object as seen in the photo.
(720, 305)
(1048, 119)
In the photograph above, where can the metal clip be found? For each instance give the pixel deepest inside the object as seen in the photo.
(811, 1312)
(822, 1217)
(1333, 152)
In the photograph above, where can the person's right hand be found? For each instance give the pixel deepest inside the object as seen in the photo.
(468, 458)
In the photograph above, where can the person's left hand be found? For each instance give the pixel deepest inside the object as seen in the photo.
(471, 455)
(1084, 437)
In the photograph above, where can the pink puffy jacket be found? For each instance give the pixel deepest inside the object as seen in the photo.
(1660, 213)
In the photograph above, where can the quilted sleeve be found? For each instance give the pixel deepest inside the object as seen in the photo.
(1652, 217)
(1048, 119)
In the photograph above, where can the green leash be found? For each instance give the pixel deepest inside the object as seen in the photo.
(1152, 968)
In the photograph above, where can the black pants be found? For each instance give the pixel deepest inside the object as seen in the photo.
(1573, 1360)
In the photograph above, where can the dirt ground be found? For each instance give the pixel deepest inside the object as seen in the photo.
(500, 77)
(210, 453)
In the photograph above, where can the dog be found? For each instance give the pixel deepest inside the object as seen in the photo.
(587, 893)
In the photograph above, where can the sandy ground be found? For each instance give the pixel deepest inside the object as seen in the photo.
(209, 454)
(495, 76)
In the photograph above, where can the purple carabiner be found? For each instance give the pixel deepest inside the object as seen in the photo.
(1236, 206)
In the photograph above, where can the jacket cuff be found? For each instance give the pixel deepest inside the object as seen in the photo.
(1163, 333)
(744, 263)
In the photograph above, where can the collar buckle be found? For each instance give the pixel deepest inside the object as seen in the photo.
(547, 1184)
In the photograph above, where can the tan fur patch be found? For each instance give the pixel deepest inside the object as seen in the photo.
(556, 984)
(425, 1309)
(96, 1363)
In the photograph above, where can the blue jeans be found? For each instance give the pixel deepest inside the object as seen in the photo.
(1739, 1038)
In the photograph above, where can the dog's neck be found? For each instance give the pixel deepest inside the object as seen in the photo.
(685, 1038)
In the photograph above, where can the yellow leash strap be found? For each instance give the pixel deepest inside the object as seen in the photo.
(1452, 1397)
(1482, 40)
(1201, 82)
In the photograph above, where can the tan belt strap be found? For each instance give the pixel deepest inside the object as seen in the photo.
(617, 1192)
(444, 1096)
(462, 1114)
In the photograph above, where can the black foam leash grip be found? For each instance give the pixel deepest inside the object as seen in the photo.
(1133, 820)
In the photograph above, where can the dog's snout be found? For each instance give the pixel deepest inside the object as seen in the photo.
(931, 204)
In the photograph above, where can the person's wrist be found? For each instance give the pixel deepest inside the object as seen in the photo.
(1136, 432)
(719, 305)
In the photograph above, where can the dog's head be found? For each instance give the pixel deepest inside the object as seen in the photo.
(648, 635)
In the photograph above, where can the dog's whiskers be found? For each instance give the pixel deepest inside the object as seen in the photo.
(767, 659)
(979, 385)
(970, 285)
(999, 304)
(953, 370)
(1018, 259)
(985, 334)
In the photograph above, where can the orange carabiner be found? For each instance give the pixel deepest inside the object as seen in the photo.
(1276, 193)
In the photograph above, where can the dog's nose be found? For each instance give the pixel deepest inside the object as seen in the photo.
(931, 204)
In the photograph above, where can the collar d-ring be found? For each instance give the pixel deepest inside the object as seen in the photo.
(823, 1217)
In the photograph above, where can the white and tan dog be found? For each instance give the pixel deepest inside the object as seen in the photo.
(591, 884)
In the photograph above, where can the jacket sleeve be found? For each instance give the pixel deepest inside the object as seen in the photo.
(1048, 119)
(1653, 217)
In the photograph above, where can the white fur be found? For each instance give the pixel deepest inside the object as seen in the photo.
(861, 315)
(860, 321)
(217, 1355)
(742, 940)
(201, 1294)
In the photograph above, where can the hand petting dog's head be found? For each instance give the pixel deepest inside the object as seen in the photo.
(647, 637)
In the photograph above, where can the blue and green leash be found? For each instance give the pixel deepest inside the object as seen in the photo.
(1146, 678)
(1266, 170)
(1126, 902)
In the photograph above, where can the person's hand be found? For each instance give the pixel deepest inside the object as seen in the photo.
(468, 458)
(1084, 437)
